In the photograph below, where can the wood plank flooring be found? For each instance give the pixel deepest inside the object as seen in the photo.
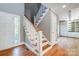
(56, 51)
(22, 50)
(17, 51)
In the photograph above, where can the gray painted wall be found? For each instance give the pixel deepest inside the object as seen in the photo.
(49, 26)
(7, 30)
(14, 8)
(31, 10)
(45, 25)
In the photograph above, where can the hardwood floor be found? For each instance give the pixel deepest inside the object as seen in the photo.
(17, 51)
(22, 50)
(70, 44)
(56, 51)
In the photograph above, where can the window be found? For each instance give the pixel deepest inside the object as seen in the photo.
(17, 29)
(73, 26)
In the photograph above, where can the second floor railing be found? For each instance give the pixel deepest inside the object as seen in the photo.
(40, 14)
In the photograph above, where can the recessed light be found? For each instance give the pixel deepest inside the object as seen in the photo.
(64, 6)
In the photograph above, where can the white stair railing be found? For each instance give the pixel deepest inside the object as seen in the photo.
(40, 43)
(41, 39)
(41, 13)
(33, 38)
(31, 35)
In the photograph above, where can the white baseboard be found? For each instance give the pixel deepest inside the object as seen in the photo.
(20, 43)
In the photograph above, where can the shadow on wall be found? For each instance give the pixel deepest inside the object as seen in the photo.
(31, 10)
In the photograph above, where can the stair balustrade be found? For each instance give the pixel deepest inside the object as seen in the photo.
(40, 15)
(34, 37)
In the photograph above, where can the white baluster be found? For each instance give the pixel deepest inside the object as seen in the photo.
(40, 42)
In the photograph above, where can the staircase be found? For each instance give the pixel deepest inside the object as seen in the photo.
(45, 44)
(31, 36)
(34, 37)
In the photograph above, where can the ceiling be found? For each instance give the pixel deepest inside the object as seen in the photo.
(57, 7)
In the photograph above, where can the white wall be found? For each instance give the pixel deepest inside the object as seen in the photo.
(7, 30)
(45, 25)
(14, 8)
(75, 13)
(48, 25)
(53, 27)
(64, 16)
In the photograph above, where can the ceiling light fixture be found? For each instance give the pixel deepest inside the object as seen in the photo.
(64, 6)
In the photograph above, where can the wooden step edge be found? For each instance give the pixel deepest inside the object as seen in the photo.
(43, 52)
(44, 44)
(38, 29)
(45, 47)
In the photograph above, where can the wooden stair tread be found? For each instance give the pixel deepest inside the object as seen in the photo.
(45, 47)
(48, 53)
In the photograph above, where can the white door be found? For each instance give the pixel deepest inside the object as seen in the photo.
(53, 28)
